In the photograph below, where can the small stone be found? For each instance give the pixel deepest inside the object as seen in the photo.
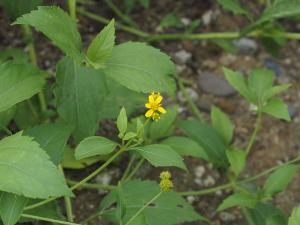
(292, 111)
(227, 59)
(209, 181)
(219, 193)
(272, 65)
(182, 56)
(246, 45)
(180, 68)
(191, 199)
(214, 84)
(199, 171)
(227, 217)
(193, 94)
(209, 16)
(209, 64)
(185, 21)
(198, 181)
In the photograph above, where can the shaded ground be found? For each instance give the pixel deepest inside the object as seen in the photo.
(278, 141)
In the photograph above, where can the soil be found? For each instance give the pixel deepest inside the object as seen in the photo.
(278, 141)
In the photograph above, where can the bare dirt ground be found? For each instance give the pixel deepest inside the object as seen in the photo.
(278, 141)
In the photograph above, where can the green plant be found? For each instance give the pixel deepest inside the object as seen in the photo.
(57, 124)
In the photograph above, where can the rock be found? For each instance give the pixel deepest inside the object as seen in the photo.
(199, 171)
(214, 84)
(292, 111)
(246, 45)
(180, 68)
(193, 94)
(272, 65)
(182, 56)
(198, 181)
(227, 217)
(191, 199)
(185, 21)
(209, 181)
(209, 16)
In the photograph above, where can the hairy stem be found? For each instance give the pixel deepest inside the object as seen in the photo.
(135, 169)
(190, 102)
(47, 219)
(254, 133)
(72, 9)
(92, 185)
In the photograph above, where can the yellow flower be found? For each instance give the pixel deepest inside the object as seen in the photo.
(166, 183)
(154, 106)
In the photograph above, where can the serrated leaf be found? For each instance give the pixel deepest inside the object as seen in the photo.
(280, 179)
(208, 139)
(295, 217)
(34, 175)
(169, 209)
(52, 138)
(58, 26)
(99, 51)
(238, 199)
(239, 83)
(185, 147)
(262, 212)
(233, 6)
(237, 160)
(222, 123)
(160, 155)
(144, 74)
(16, 8)
(274, 91)
(163, 127)
(11, 207)
(93, 146)
(79, 94)
(278, 109)
(25, 78)
(122, 121)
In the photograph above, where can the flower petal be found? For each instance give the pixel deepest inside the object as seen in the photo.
(151, 98)
(148, 105)
(149, 113)
(158, 99)
(161, 109)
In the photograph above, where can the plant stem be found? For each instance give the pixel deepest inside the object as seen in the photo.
(192, 105)
(119, 13)
(132, 158)
(101, 19)
(68, 203)
(144, 207)
(29, 39)
(72, 9)
(82, 182)
(207, 191)
(254, 133)
(135, 169)
(93, 185)
(47, 219)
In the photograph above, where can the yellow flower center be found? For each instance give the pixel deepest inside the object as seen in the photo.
(154, 106)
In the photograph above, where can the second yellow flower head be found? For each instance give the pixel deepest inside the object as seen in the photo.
(154, 106)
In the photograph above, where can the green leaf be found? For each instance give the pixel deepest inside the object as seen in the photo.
(280, 179)
(233, 6)
(101, 47)
(122, 122)
(259, 81)
(70, 161)
(34, 175)
(79, 94)
(171, 20)
(274, 91)
(237, 160)
(145, 3)
(11, 207)
(28, 114)
(208, 139)
(222, 124)
(58, 26)
(239, 83)
(52, 138)
(226, 45)
(169, 209)
(160, 155)
(24, 78)
(238, 199)
(17, 55)
(129, 136)
(185, 147)
(16, 8)
(93, 146)
(7, 116)
(263, 212)
(295, 217)
(278, 109)
(144, 74)
(163, 127)
(121, 203)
